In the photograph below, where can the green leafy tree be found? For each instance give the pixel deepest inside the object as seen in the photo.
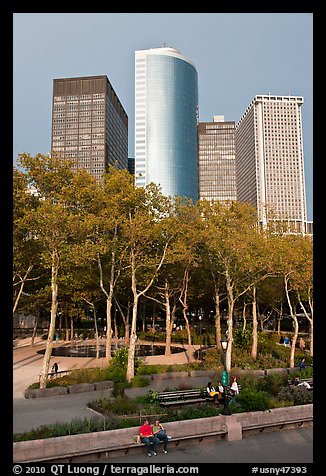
(233, 238)
(143, 232)
(54, 224)
(291, 266)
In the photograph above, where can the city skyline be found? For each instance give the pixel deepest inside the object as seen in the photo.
(237, 56)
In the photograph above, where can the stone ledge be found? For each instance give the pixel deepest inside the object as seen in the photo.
(81, 387)
(70, 389)
(45, 392)
(105, 441)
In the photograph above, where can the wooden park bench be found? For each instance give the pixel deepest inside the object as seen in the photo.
(309, 380)
(184, 397)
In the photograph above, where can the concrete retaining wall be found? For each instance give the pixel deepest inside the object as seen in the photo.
(234, 425)
(275, 415)
(76, 388)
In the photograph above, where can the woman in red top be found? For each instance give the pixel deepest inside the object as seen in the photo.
(147, 437)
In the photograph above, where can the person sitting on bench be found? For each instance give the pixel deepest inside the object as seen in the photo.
(160, 433)
(147, 437)
(212, 392)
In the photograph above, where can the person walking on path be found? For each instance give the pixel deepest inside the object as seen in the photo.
(147, 437)
(302, 364)
(160, 433)
(55, 368)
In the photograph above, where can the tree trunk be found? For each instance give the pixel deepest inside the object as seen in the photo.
(115, 324)
(108, 329)
(72, 332)
(218, 332)
(254, 326)
(295, 322)
(187, 328)
(21, 288)
(311, 326)
(244, 318)
(34, 331)
(132, 342)
(109, 297)
(133, 337)
(183, 300)
(311, 336)
(125, 319)
(95, 328)
(132, 345)
(168, 324)
(54, 306)
(231, 301)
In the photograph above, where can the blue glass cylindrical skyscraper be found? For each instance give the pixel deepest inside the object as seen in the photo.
(166, 116)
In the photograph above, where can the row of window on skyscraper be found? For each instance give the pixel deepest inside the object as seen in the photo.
(258, 160)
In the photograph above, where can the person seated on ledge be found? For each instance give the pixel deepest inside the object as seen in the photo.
(160, 433)
(212, 392)
(147, 437)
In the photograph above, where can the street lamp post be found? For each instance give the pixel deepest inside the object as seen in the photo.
(225, 378)
(200, 318)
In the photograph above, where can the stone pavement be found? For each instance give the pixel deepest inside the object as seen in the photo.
(32, 413)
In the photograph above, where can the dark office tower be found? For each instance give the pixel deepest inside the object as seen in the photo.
(216, 152)
(89, 124)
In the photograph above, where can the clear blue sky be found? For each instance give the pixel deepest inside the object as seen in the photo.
(237, 55)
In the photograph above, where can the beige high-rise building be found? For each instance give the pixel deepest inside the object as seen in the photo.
(270, 162)
(216, 160)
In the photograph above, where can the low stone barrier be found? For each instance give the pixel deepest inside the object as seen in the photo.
(70, 389)
(45, 392)
(275, 416)
(108, 442)
(169, 375)
(276, 371)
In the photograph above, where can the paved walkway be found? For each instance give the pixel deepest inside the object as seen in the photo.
(32, 413)
(288, 447)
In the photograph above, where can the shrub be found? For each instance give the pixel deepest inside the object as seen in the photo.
(243, 338)
(251, 400)
(295, 395)
(76, 426)
(121, 406)
(139, 381)
(192, 412)
(247, 379)
(153, 395)
(272, 383)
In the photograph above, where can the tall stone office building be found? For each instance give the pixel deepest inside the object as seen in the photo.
(216, 154)
(269, 160)
(89, 124)
(166, 110)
